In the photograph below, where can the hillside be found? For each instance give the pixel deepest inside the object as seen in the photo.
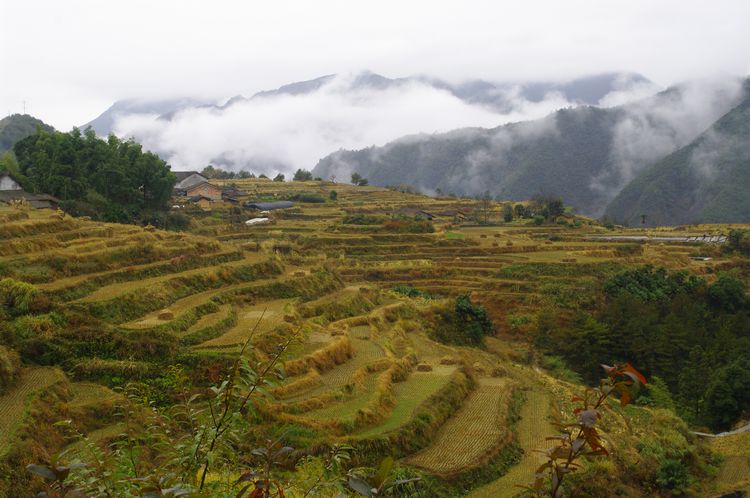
(356, 297)
(585, 155)
(707, 181)
(16, 127)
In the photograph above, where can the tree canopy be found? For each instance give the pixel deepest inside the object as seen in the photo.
(302, 175)
(111, 179)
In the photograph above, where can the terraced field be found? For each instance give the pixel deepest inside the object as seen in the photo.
(270, 314)
(532, 429)
(734, 472)
(408, 395)
(195, 296)
(14, 405)
(473, 434)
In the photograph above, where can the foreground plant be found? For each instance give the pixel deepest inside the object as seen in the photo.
(171, 452)
(581, 439)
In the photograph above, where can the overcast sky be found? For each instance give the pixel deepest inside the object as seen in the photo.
(69, 60)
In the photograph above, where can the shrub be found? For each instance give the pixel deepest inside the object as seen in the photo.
(674, 476)
(557, 367)
(9, 368)
(333, 195)
(17, 297)
(309, 197)
(465, 324)
(409, 291)
(363, 219)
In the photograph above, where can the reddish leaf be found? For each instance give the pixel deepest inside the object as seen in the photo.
(625, 396)
(629, 369)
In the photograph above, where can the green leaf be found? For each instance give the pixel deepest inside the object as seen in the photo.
(385, 469)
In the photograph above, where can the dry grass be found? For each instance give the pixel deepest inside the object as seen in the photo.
(533, 428)
(14, 404)
(475, 432)
(272, 313)
(735, 470)
(408, 395)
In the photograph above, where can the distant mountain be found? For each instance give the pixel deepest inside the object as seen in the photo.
(104, 124)
(16, 127)
(707, 181)
(501, 97)
(585, 154)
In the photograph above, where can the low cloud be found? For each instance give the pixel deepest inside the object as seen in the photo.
(652, 128)
(286, 132)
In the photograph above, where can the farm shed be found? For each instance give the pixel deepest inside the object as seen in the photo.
(269, 206)
(201, 201)
(37, 201)
(414, 213)
(456, 214)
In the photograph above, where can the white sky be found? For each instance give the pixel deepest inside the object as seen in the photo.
(69, 60)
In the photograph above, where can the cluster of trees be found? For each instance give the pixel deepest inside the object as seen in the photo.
(302, 175)
(541, 208)
(358, 180)
(220, 174)
(693, 335)
(111, 179)
(739, 240)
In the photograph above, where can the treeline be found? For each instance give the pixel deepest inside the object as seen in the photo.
(693, 335)
(210, 171)
(110, 180)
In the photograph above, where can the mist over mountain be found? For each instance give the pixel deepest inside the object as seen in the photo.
(295, 125)
(104, 124)
(707, 181)
(585, 154)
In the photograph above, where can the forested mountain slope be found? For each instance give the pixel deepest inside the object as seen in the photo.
(17, 127)
(586, 154)
(706, 181)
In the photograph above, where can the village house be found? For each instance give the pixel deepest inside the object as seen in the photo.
(205, 189)
(187, 179)
(7, 182)
(12, 192)
(231, 194)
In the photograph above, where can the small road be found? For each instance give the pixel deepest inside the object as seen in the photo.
(704, 239)
(742, 429)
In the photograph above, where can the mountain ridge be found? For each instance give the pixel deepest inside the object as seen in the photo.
(497, 96)
(705, 181)
(584, 154)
